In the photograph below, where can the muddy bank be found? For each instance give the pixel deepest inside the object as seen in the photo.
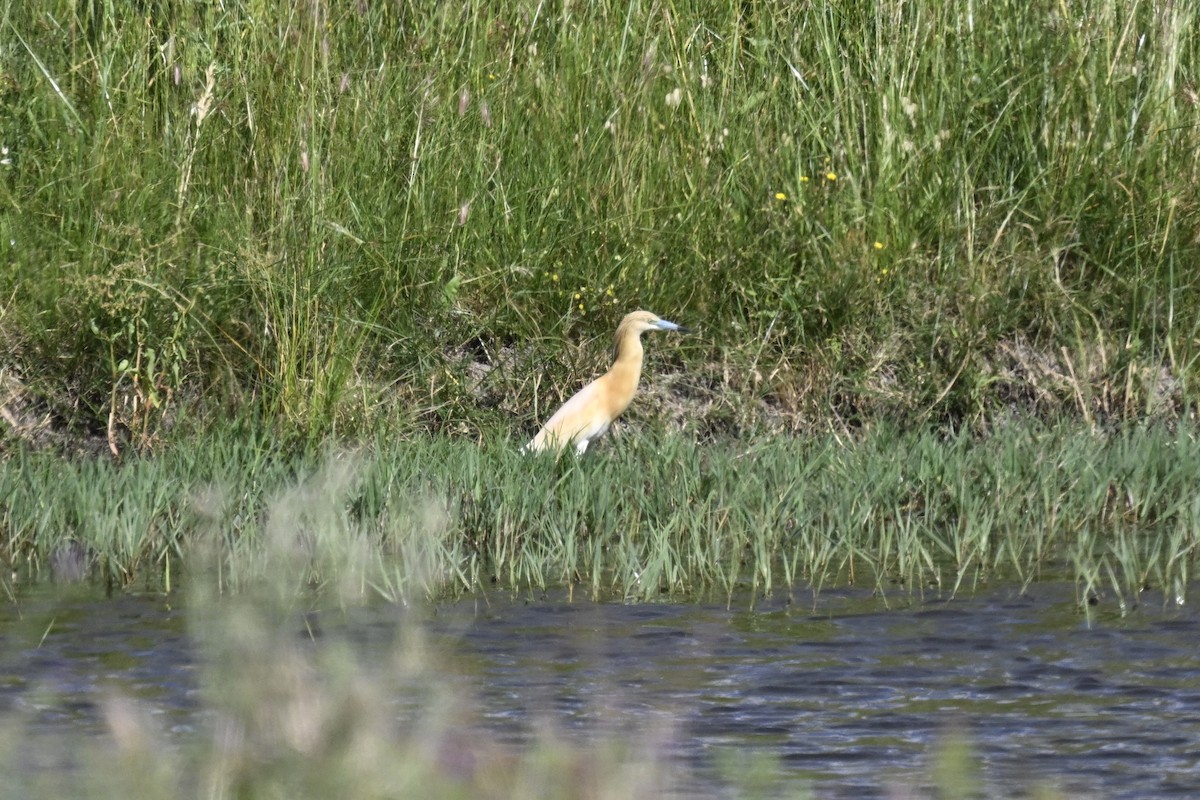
(479, 390)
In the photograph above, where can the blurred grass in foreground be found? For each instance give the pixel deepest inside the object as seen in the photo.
(282, 714)
(288, 705)
(333, 214)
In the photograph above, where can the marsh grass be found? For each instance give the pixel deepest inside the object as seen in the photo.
(335, 214)
(904, 514)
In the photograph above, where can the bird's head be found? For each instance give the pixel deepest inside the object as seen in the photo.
(629, 332)
(638, 321)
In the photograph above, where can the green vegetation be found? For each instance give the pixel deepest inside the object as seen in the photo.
(332, 214)
(384, 221)
(908, 514)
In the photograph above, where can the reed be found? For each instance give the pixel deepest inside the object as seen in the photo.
(904, 513)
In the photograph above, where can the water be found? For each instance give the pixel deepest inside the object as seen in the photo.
(847, 699)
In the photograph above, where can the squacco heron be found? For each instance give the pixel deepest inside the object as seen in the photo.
(592, 410)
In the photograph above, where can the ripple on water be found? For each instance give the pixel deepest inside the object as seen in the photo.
(844, 700)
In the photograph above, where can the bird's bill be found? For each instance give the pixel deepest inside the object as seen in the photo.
(667, 325)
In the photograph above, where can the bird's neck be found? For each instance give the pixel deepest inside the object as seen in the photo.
(629, 352)
(628, 362)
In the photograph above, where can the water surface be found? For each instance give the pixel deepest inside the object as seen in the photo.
(849, 698)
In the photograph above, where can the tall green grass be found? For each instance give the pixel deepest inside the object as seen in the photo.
(331, 212)
(903, 514)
